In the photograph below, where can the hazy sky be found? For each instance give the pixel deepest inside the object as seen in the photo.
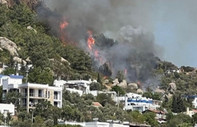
(172, 22)
(174, 25)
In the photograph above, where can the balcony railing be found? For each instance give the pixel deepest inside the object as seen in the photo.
(40, 95)
(33, 95)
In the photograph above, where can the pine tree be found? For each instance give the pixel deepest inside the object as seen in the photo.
(99, 79)
(178, 104)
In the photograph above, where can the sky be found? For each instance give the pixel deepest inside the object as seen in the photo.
(172, 22)
(174, 25)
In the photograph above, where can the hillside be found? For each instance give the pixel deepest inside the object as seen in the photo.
(34, 46)
(28, 40)
(30, 3)
(49, 56)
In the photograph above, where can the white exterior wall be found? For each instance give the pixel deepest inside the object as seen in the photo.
(5, 83)
(46, 87)
(10, 83)
(84, 83)
(118, 125)
(2, 78)
(14, 81)
(94, 93)
(97, 124)
(59, 83)
(119, 99)
(75, 123)
(59, 95)
(7, 108)
(80, 92)
(194, 102)
(140, 106)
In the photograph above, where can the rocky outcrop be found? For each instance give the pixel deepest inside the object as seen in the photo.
(172, 87)
(157, 90)
(133, 86)
(31, 28)
(19, 60)
(64, 60)
(123, 84)
(115, 82)
(9, 45)
(3, 2)
(140, 91)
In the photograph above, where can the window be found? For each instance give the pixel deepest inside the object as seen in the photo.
(55, 104)
(55, 95)
(31, 92)
(40, 93)
(24, 102)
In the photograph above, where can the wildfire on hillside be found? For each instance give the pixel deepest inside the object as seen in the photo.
(92, 48)
(128, 49)
(91, 40)
(62, 26)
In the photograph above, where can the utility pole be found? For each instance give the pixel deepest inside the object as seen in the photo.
(32, 116)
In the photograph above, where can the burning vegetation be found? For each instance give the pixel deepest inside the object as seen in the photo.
(62, 27)
(132, 51)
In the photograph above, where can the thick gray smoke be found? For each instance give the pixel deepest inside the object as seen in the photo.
(134, 50)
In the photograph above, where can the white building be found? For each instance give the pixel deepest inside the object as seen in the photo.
(1, 79)
(194, 102)
(112, 94)
(10, 83)
(137, 102)
(7, 108)
(59, 83)
(73, 90)
(75, 86)
(96, 124)
(6, 80)
(33, 93)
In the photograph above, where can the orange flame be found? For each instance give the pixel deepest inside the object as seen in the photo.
(93, 50)
(98, 57)
(62, 26)
(91, 40)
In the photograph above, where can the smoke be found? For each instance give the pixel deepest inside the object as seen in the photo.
(133, 52)
(99, 16)
(131, 48)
